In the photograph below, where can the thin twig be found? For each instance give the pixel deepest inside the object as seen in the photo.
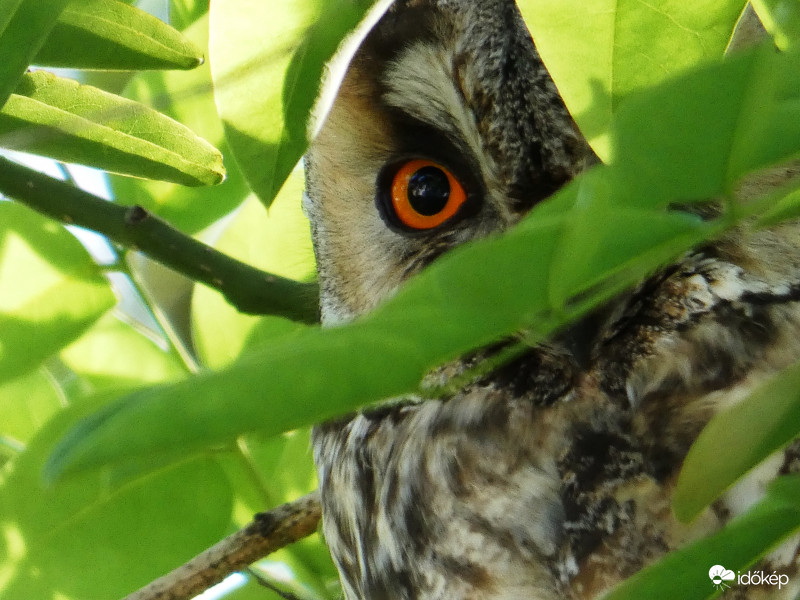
(261, 580)
(249, 289)
(268, 532)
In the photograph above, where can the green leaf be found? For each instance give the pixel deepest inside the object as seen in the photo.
(748, 109)
(131, 527)
(785, 205)
(187, 97)
(684, 574)
(62, 119)
(50, 289)
(24, 26)
(268, 471)
(781, 18)
(312, 374)
(386, 355)
(26, 403)
(114, 355)
(599, 51)
(109, 34)
(275, 53)
(761, 424)
(617, 250)
(278, 242)
(182, 13)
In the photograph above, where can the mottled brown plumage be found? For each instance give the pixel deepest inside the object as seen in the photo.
(552, 476)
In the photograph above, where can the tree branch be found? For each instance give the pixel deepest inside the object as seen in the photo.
(268, 532)
(249, 289)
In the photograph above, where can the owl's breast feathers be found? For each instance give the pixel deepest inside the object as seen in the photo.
(552, 477)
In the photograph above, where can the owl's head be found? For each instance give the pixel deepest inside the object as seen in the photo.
(447, 127)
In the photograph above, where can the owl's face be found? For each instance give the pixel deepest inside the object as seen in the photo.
(447, 127)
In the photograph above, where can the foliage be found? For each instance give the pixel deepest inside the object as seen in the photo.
(64, 354)
(620, 47)
(282, 53)
(154, 442)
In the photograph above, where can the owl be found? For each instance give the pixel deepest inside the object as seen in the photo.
(552, 476)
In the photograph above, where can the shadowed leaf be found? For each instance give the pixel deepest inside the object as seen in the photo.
(24, 26)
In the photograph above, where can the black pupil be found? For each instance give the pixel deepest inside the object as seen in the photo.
(428, 191)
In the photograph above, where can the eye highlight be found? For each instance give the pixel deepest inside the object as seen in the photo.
(425, 194)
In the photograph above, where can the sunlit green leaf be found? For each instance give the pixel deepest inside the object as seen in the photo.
(684, 574)
(114, 355)
(67, 121)
(277, 242)
(11, 8)
(183, 13)
(50, 289)
(188, 98)
(758, 426)
(131, 528)
(267, 63)
(26, 403)
(24, 26)
(782, 19)
(109, 34)
(599, 51)
(739, 106)
(318, 373)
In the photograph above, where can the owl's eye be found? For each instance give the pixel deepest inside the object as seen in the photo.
(425, 194)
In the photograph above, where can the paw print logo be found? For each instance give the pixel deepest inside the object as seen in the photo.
(719, 576)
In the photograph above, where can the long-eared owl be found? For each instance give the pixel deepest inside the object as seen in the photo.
(552, 476)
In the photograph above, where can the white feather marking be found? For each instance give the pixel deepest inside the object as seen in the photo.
(336, 68)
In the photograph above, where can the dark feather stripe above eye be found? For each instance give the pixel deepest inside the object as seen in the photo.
(417, 138)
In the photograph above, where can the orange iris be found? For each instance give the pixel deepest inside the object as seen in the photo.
(425, 194)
